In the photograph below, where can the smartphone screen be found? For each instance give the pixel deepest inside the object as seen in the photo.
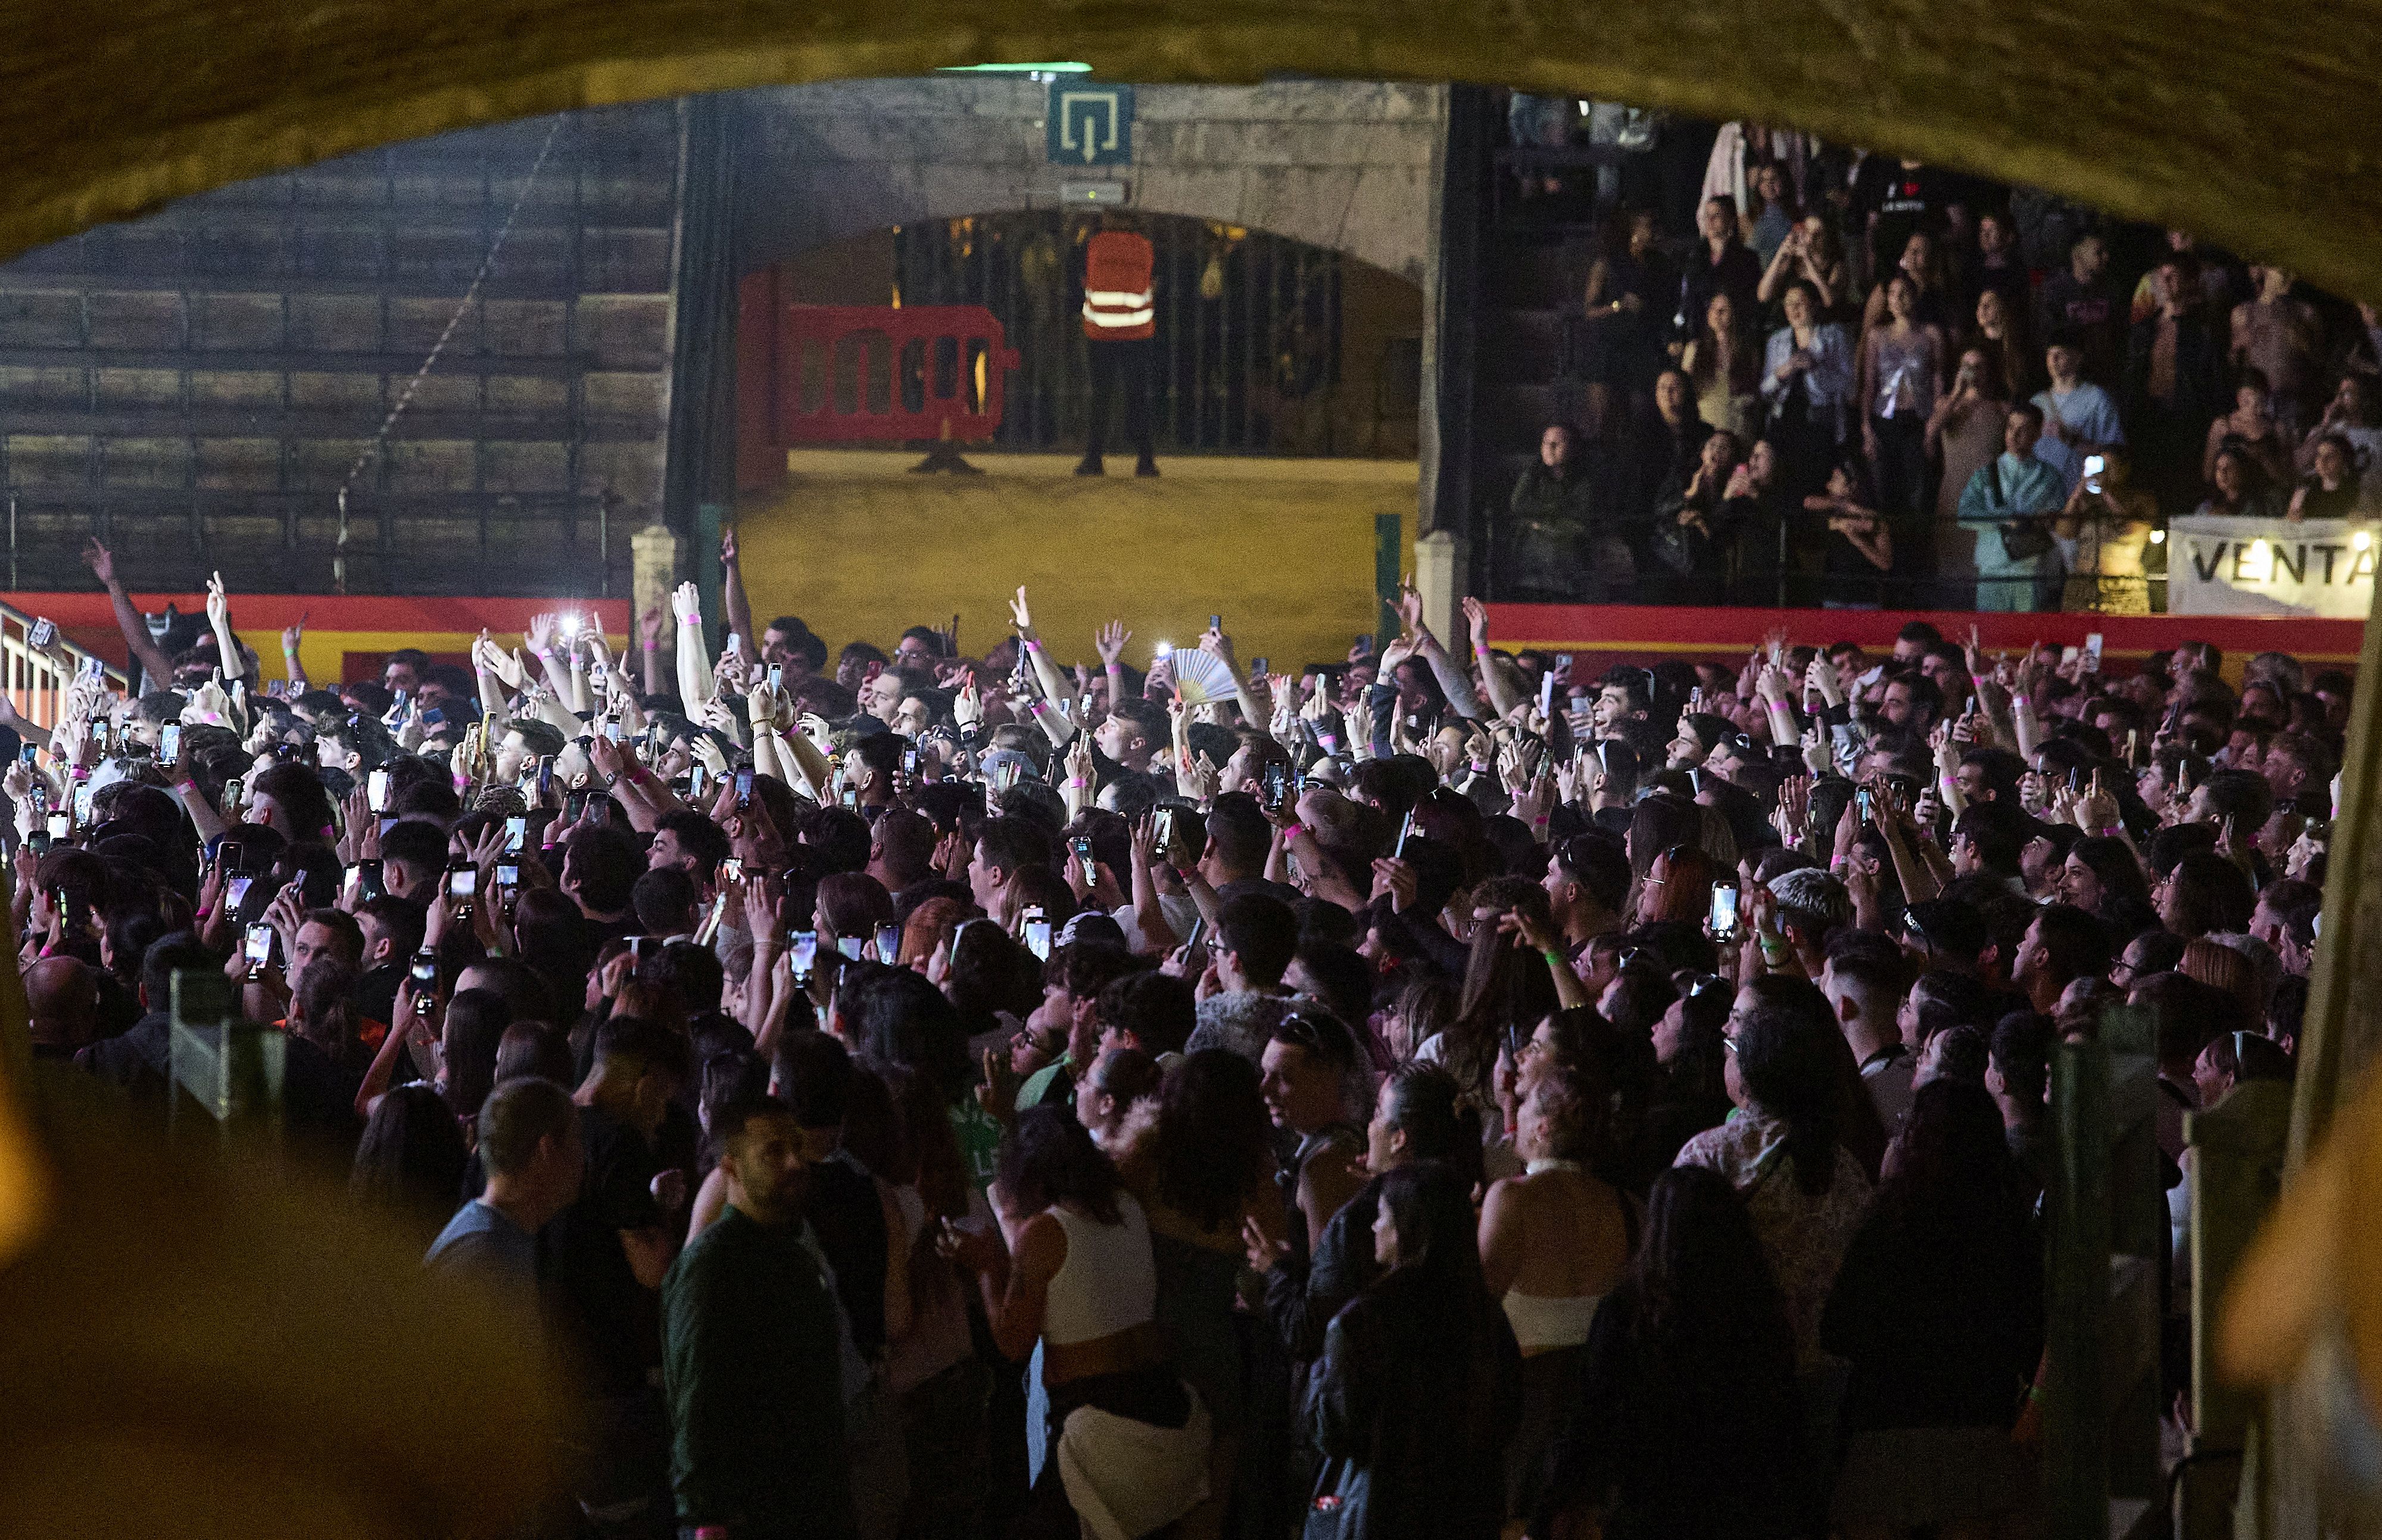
(169, 744)
(853, 947)
(424, 975)
(777, 676)
(61, 826)
(1163, 830)
(1083, 848)
(516, 835)
(463, 883)
(236, 891)
(260, 946)
(889, 943)
(376, 791)
(1038, 935)
(732, 867)
(545, 777)
(368, 880)
(83, 796)
(744, 787)
(507, 875)
(1724, 911)
(1406, 832)
(698, 780)
(804, 948)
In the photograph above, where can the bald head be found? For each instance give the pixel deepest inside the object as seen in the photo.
(63, 998)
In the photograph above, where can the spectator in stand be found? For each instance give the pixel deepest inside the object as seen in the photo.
(2250, 429)
(1665, 452)
(1720, 364)
(1931, 303)
(2281, 336)
(2009, 503)
(1807, 384)
(1964, 434)
(1809, 255)
(1859, 555)
(1997, 267)
(1630, 287)
(1548, 531)
(2330, 489)
(2238, 488)
(1690, 537)
(1901, 369)
(1720, 265)
(1755, 511)
(2347, 414)
(1770, 220)
(1998, 330)
(2100, 535)
(2175, 373)
(2081, 305)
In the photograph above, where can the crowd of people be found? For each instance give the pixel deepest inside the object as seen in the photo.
(1434, 1093)
(1867, 381)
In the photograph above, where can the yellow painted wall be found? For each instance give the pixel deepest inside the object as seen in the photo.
(1281, 548)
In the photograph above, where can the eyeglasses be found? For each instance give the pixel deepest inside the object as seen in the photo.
(1695, 986)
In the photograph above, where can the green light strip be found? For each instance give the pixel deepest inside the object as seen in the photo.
(1015, 69)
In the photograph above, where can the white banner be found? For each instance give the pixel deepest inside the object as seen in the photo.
(2316, 566)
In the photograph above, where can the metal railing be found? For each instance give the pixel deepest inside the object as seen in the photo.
(37, 679)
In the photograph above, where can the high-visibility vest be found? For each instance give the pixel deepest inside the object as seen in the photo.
(1119, 303)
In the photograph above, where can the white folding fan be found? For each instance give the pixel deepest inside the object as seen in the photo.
(1200, 677)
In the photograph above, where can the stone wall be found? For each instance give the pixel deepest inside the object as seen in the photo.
(1345, 164)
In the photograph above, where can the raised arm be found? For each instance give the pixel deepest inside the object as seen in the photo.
(1501, 699)
(732, 590)
(219, 621)
(694, 656)
(145, 653)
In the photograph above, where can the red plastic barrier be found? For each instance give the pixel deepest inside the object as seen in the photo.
(861, 374)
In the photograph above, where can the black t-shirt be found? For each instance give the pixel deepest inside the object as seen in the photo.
(1906, 199)
(613, 1321)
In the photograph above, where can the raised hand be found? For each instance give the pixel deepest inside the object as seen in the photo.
(1110, 641)
(219, 602)
(1476, 619)
(1409, 607)
(1019, 614)
(686, 603)
(967, 707)
(540, 634)
(293, 635)
(101, 561)
(728, 545)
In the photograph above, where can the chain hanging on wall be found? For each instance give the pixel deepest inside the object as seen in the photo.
(430, 360)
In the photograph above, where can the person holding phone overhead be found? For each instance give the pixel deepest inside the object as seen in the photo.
(2102, 533)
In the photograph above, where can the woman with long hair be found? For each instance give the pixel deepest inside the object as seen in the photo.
(1939, 1308)
(1678, 885)
(1785, 1154)
(2250, 428)
(1414, 1400)
(1070, 1267)
(2330, 490)
(409, 1163)
(1807, 378)
(1507, 991)
(2104, 877)
(1964, 433)
(2238, 487)
(1687, 1424)
(1998, 335)
(1554, 1241)
(1900, 367)
(1200, 1159)
(1721, 367)
(1691, 1089)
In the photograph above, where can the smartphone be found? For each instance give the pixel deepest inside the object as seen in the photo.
(731, 868)
(853, 947)
(82, 795)
(425, 974)
(1363, 646)
(1277, 785)
(777, 676)
(2094, 466)
(910, 761)
(463, 883)
(507, 874)
(1036, 930)
(744, 787)
(1861, 800)
(802, 945)
(376, 791)
(169, 744)
(41, 635)
(1197, 936)
(643, 949)
(851, 798)
(1004, 775)
(369, 885)
(1257, 665)
(1724, 911)
(1162, 829)
(236, 893)
(2093, 653)
(1215, 623)
(1083, 848)
(234, 791)
(2067, 655)
(574, 806)
(61, 826)
(259, 949)
(1547, 693)
(613, 732)
(889, 943)
(38, 842)
(698, 780)
(545, 776)
(278, 688)
(516, 835)
(1406, 832)
(29, 753)
(231, 856)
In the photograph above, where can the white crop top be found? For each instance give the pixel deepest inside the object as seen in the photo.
(1108, 1283)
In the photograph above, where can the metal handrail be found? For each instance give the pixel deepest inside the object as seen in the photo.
(37, 680)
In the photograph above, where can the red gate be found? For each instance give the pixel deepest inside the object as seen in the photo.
(861, 374)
